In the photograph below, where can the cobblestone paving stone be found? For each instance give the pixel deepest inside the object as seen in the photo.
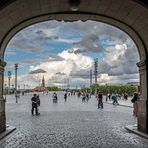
(65, 125)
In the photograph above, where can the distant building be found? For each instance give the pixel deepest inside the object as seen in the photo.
(43, 82)
(133, 83)
(40, 88)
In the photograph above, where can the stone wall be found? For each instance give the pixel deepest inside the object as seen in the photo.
(2, 101)
(142, 105)
(2, 116)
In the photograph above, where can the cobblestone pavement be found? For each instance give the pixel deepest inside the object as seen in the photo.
(70, 124)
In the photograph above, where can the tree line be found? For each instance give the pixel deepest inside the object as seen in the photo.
(109, 89)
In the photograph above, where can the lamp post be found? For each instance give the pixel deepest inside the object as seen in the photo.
(16, 68)
(12, 86)
(9, 77)
(90, 77)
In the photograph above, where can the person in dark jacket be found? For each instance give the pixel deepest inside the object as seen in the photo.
(34, 101)
(65, 96)
(100, 99)
(114, 98)
(135, 101)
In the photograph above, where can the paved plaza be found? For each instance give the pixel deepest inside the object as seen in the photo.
(70, 124)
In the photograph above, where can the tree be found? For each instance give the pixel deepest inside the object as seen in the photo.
(118, 89)
(54, 88)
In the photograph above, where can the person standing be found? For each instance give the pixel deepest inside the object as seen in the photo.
(125, 96)
(83, 97)
(65, 96)
(87, 96)
(135, 100)
(55, 97)
(38, 103)
(34, 101)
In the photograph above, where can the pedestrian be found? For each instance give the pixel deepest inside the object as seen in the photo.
(106, 97)
(34, 101)
(135, 100)
(38, 103)
(65, 97)
(87, 97)
(79, 94)
(83, 97)
(125, 96)
(109, 96)
(114, 98)
(55, 97)
(100, 100)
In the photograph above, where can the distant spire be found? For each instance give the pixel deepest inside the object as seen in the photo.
(43, 82)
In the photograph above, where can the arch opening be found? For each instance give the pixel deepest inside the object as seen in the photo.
(80, 48)
(71, 39)
(135, 27)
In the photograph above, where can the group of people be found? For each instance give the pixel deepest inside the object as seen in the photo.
(55, 97)
(85, 97)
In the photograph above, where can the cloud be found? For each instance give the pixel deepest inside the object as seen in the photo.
(46, 34)
(60, 73)
(24, 45)
(62, 69)
(37, 71)
(87, 40)
(123, 60)
(10, 52)
(55, 58)
(29, 61)
(81, 74)
(88, 43)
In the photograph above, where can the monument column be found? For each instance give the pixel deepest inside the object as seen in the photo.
(143, 103)
(2, 101)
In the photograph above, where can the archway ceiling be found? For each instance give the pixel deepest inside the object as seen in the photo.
(130, 13)
(5, 2)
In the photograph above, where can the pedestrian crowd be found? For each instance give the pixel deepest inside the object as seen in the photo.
(85, 96)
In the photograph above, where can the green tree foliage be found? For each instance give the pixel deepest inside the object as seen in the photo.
(119, 89)
(54, 88)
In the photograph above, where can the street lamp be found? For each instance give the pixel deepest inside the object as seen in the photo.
(9, 77)
(74, 5)
(16, 68)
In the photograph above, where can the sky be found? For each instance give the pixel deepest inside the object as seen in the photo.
(66, 52)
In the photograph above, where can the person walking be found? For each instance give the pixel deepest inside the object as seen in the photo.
(100, 100)
(114, 98)
(34, 101)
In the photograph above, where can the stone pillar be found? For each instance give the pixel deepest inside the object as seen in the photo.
(2, 101)
(143, 103)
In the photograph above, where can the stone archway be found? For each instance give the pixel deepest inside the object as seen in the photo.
(128, 15)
